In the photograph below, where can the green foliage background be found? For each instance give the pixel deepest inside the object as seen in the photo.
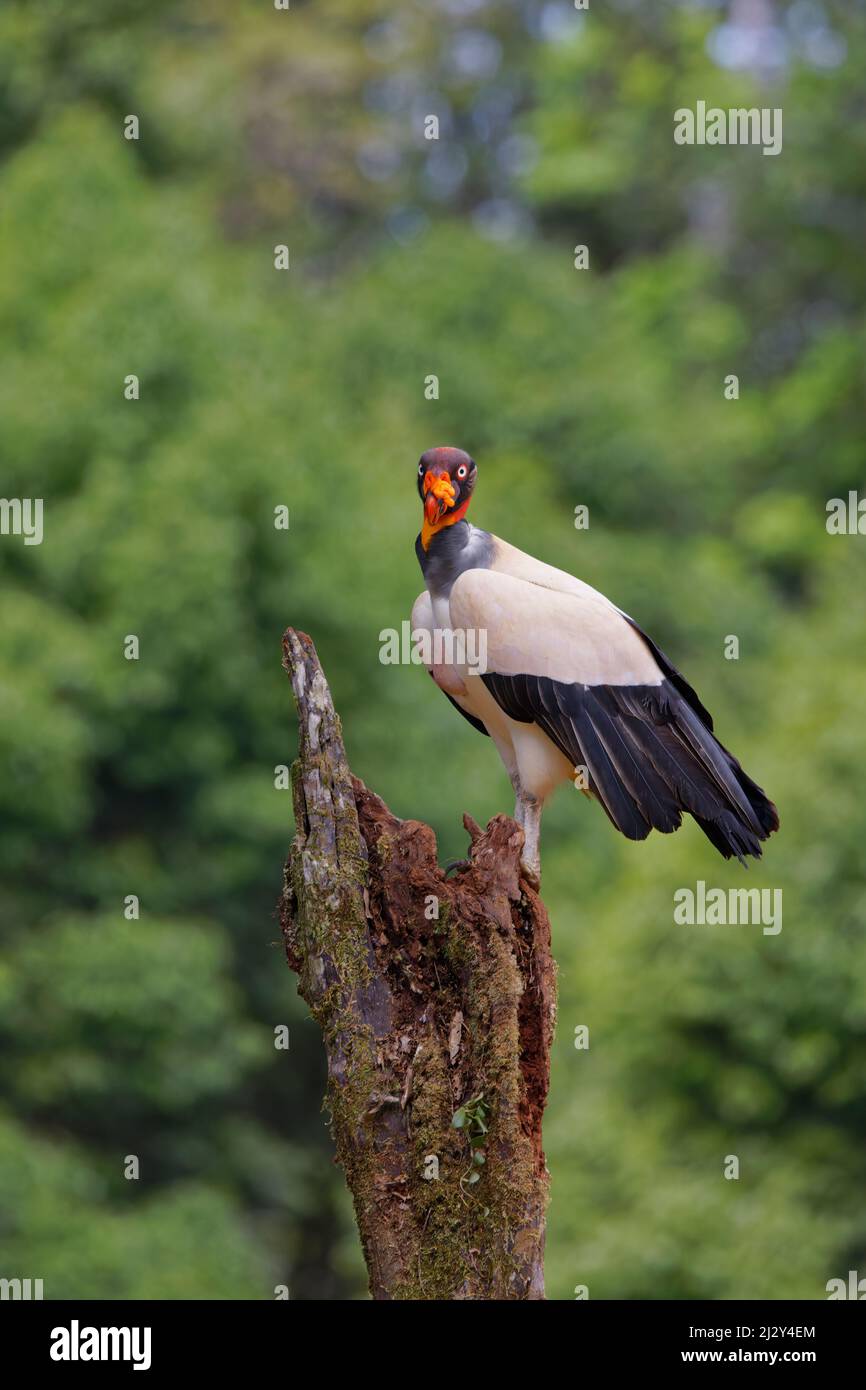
(602, 387)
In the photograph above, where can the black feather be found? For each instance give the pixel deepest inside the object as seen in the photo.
(476, 723)
(650, 754)
(676, 677)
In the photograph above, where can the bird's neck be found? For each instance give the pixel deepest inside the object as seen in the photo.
(428, 532)
(450, 551)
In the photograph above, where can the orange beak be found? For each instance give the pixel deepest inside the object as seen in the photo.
(439, 494)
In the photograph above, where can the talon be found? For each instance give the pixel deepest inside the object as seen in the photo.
(454, 864)
(532, 875)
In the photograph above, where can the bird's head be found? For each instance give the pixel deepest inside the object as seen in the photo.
(446, 478)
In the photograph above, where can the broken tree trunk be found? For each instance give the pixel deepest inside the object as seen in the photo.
(436, 1001)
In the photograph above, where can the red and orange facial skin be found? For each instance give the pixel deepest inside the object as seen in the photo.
(439, 495)
(446, 478)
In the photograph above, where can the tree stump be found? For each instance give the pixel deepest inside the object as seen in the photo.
(435, 996)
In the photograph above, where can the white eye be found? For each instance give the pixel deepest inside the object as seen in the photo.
(420, 469)
(462, 471)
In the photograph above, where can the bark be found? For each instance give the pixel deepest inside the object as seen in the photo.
(435, 996)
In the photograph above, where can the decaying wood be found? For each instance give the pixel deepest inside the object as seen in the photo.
(436, 999)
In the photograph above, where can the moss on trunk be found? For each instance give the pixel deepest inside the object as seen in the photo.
(436, 999)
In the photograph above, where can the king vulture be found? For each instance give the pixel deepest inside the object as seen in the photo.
(570, 688)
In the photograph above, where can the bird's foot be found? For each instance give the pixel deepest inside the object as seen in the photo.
(454, 864)
(532, 874)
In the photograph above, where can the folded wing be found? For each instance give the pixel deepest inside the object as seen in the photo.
(561, 656)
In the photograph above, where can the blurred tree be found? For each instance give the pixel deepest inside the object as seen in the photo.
(261, 389)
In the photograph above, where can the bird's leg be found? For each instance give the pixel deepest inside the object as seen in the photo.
(531, 808)
(519, 800)
(527, 813)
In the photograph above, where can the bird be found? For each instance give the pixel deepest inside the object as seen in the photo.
(570, 687)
